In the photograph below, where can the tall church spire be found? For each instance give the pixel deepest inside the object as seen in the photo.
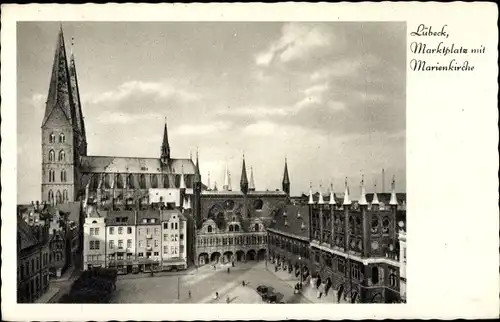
(165, 147)
(59, 99)
(286, 179)
(251, 185)
(244, 179)
(79, 123)
(197, 175)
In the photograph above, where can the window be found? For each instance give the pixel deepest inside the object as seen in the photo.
(165, 237)
(111, 230)
(65, 195)
(120, 244)
(148, 231)
(51, 175)
(375, 278)
(182, 237)
(230, 227)
(165, 225)
(142, 181)
(62, 138)
(96, 231)
(154, 182)
(156, 254)
(129, 230)
(393, 277)
(58, 197)
(341, 265)
(355, 271)
(141, 243)
(97, 244)
(165, 249)
(236, 228)
(130, 181)
(111, 244)
(129, 256)
(148, 243)
(52, 138)
(140, 254)
(51, 196)
(119, 181)
(52, 155)
(209, 229)
(91, 244)
(176, 226)
(256, 227)
(91, 231)
(120, 230)
(171, 225)
(63, 176)
(156, 242)
(172, 237)
(129, 243)
(157, 231)
(120, 256)
(62, 155)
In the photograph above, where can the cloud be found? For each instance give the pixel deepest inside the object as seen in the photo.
(256, 111)
(297, 41)
(125, 118)
(161, 90)
(203, 129)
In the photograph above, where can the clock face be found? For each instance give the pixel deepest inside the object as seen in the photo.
(375, 245)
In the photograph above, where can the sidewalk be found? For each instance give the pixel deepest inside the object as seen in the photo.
(308, 291)
(49, 295)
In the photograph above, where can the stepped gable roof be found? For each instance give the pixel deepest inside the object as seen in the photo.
(112, 164)
(121, 218)
(295, 225)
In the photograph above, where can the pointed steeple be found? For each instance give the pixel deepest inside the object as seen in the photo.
(332, 195)
(183, 183)
(347, 201)
(394, 200)
(209, 187)
(320, 201)
(59, 99)
(227, 181)
(165, 147)
(375, 197)
(215, 186)
(362, 198)
(197, 175)
(244, 179)
(286, 179)
(311, 198)
(251, 185)
(79, 123)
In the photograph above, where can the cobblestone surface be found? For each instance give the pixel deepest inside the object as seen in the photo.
(203, 284)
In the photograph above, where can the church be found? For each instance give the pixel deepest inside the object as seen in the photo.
(68, 171)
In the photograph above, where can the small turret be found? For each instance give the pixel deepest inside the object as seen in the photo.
(251, 185)
(332, 196)
(320, 200)
(347, 201)
(375, 197)
(311, 198)
(394, 200)
(362, 198)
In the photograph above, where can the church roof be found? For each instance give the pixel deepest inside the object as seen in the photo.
(112, 164)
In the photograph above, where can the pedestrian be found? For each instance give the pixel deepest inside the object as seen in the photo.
(189, 294)
(228, 270)
(216, 295)
(243, 283)
(227, 299)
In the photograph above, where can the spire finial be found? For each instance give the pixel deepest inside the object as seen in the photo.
(190, 155)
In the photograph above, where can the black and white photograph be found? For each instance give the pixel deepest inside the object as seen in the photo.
(211, 162)
(210, 156)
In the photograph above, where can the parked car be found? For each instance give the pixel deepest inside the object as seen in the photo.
(262, 289)
(272, 298)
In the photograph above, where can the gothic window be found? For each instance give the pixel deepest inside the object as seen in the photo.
(230, 227)
(95, 182)
(393, 277)
(51, 196)
(142, 181)
(62, 155)
(52, 155)
(62, 138)
(374, 224)
(165, 181)
(209, 229)
(154, 181)
(58, 197)
(65, 195)
(52, 138)
(258, 204)
(385, 225)
(351, 225)
(375, 278)
(119, 181)
(236, 228)
(256, 227)
(130, 181)
(63, 175)
(52, 175)
(107, 181)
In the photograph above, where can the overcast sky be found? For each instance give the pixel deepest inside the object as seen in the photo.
(329, 96)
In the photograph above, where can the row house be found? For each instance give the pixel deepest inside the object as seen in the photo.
(32, 261)
(135, 241)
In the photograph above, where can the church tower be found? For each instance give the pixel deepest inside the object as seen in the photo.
(244, 179)
(62, 136)
(286, 180)
(165, 147)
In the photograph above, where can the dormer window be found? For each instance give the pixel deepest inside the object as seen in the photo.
(298, 215)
